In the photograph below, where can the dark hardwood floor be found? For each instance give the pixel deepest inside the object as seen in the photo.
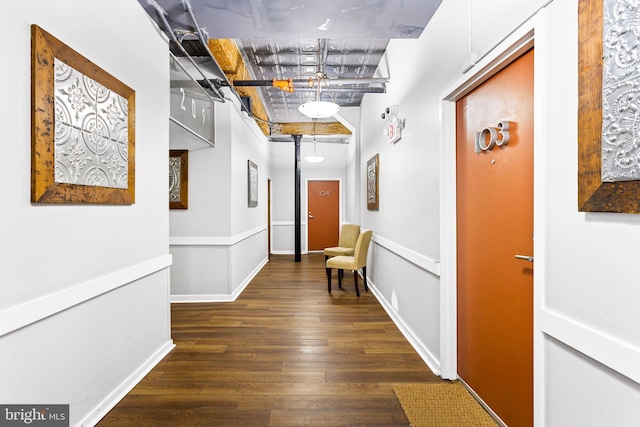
(285, 353)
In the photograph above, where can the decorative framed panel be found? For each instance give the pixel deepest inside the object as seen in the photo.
(178, 179)
(594, 66)
(252, 179)
(372, 182)
(82, 128)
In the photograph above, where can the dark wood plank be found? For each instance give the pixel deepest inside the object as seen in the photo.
(286, 353)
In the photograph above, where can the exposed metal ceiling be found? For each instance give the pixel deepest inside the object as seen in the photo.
(349, 64)
(292, 39)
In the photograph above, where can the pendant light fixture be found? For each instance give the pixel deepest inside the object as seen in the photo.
(316, 108)
(314, 156)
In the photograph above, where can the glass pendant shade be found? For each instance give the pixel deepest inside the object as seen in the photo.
(319, 109)
(314, 155)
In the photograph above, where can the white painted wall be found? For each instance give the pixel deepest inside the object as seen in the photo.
(350, 118)
(82, 331)
(219, 243)
(587, 355)
(588, 316)
(84, 308)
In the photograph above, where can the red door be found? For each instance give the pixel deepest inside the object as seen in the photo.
(495, 223)
(323, 218)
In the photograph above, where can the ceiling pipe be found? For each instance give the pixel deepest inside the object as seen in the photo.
(169, 32)
(204, 40)
(305, 82)
(350, 89)
(325, 55)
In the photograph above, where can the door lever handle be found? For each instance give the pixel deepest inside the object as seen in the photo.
(525, 257)
(311, 216)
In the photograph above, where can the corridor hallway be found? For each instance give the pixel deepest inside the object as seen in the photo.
(285, 353)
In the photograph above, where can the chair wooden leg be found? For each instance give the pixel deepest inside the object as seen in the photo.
(355, 280)
(329, 279)
(364, 277)
(340, 278)
(326, 257)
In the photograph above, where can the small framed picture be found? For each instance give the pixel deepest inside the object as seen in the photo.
(252, 178)
(178, 179)
(372, 183)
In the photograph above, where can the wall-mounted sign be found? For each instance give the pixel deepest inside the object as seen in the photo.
(191, 106)
(489, 137)
(394, 126)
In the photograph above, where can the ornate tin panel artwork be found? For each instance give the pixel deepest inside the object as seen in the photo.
(91, 142)
(178, 179)
(373, 166)
(621, 91)
(82, 128)
(174, 179)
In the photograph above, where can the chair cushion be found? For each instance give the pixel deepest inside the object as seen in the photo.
(337, 251)
(342, 262)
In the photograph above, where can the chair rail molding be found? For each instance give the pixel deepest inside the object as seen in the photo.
(215, 241)
(29, 312)
(412, 256)
(602, 347)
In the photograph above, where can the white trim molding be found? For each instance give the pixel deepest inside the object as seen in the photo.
(515, 44)
(21, 315)
(220, 297)
(216, 241)
(286, 223)
(127, 385)
(426, 263)
(431, 361)
(613, 352)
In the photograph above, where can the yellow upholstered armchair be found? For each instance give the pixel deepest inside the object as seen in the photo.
(347, 243)
(355, 262)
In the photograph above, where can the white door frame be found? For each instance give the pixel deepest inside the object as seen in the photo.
(518, 42)
(306, 206)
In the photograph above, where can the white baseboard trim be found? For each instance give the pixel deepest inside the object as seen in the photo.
(607, 349)
(287, 223)
(127, 385)
(413, 257)
(181, 298)
(220, 297)
(288, 252)
(422, 351)
(21, 315)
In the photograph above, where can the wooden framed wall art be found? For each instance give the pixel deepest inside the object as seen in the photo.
(609, 83)
(178, 179)
(82, 128)
(372, 183)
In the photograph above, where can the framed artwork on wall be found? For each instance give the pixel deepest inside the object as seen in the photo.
(178, 179)
(372, 183)
(252, 179)
(82, 128)
(608, 139)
